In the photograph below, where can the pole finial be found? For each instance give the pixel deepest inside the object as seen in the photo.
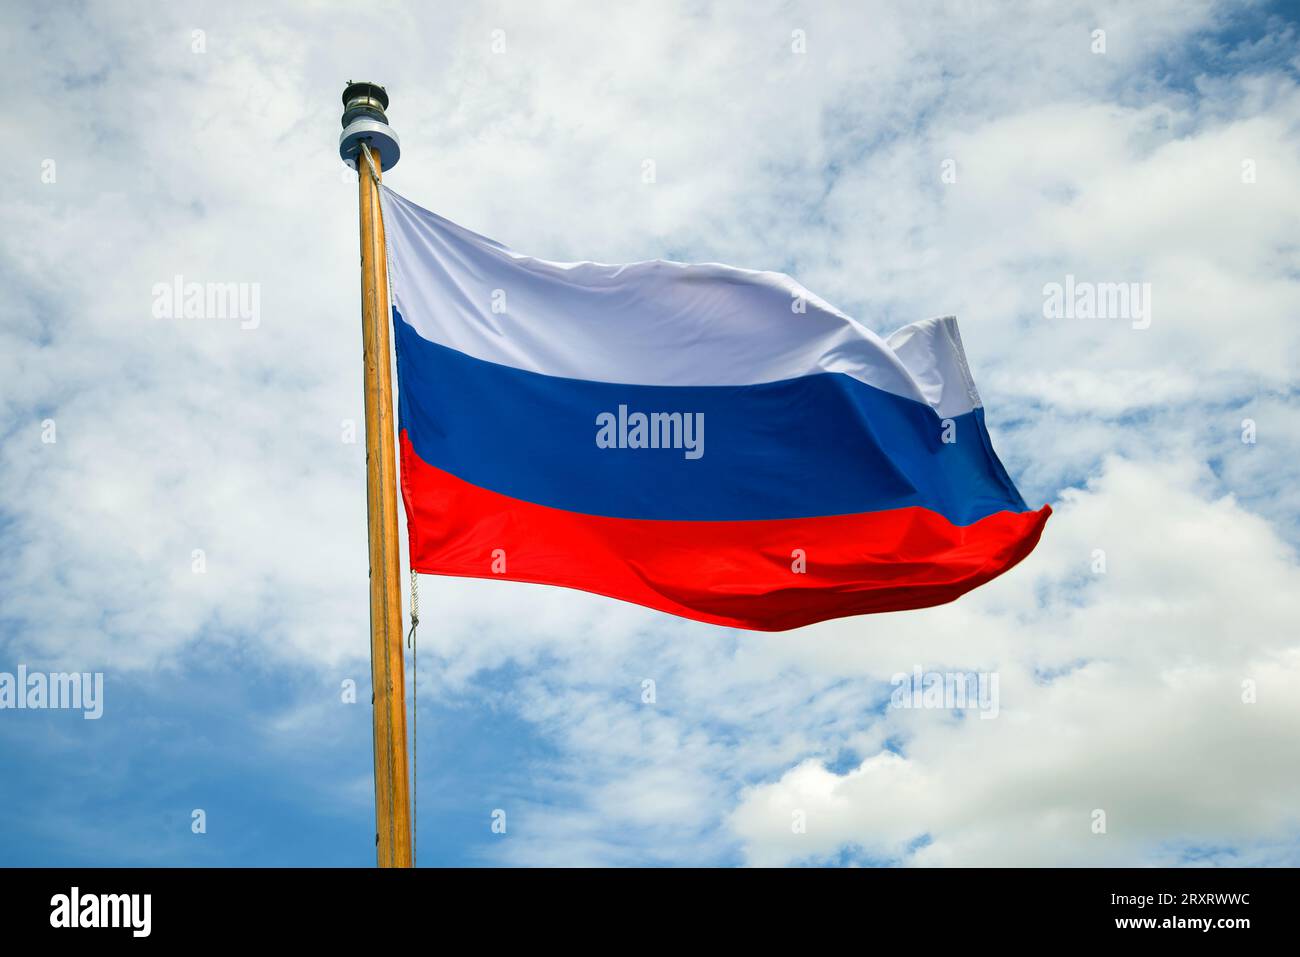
(364, 118)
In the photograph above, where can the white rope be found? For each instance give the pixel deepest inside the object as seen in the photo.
(374, 173)
(415, 715)
(415, 600)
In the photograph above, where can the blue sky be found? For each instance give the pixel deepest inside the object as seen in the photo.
(212, 155)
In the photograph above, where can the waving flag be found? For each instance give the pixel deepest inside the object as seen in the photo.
(713, 442)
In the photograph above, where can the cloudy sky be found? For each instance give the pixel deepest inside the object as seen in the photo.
(903, 161)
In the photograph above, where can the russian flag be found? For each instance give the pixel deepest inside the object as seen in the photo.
(712, 442)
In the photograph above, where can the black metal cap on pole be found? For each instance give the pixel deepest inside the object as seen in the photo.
(365, 119)
(357, 94)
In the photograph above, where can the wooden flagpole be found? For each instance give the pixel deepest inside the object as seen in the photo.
(364, 122)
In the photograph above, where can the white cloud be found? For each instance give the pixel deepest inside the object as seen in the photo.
(1121, 692)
